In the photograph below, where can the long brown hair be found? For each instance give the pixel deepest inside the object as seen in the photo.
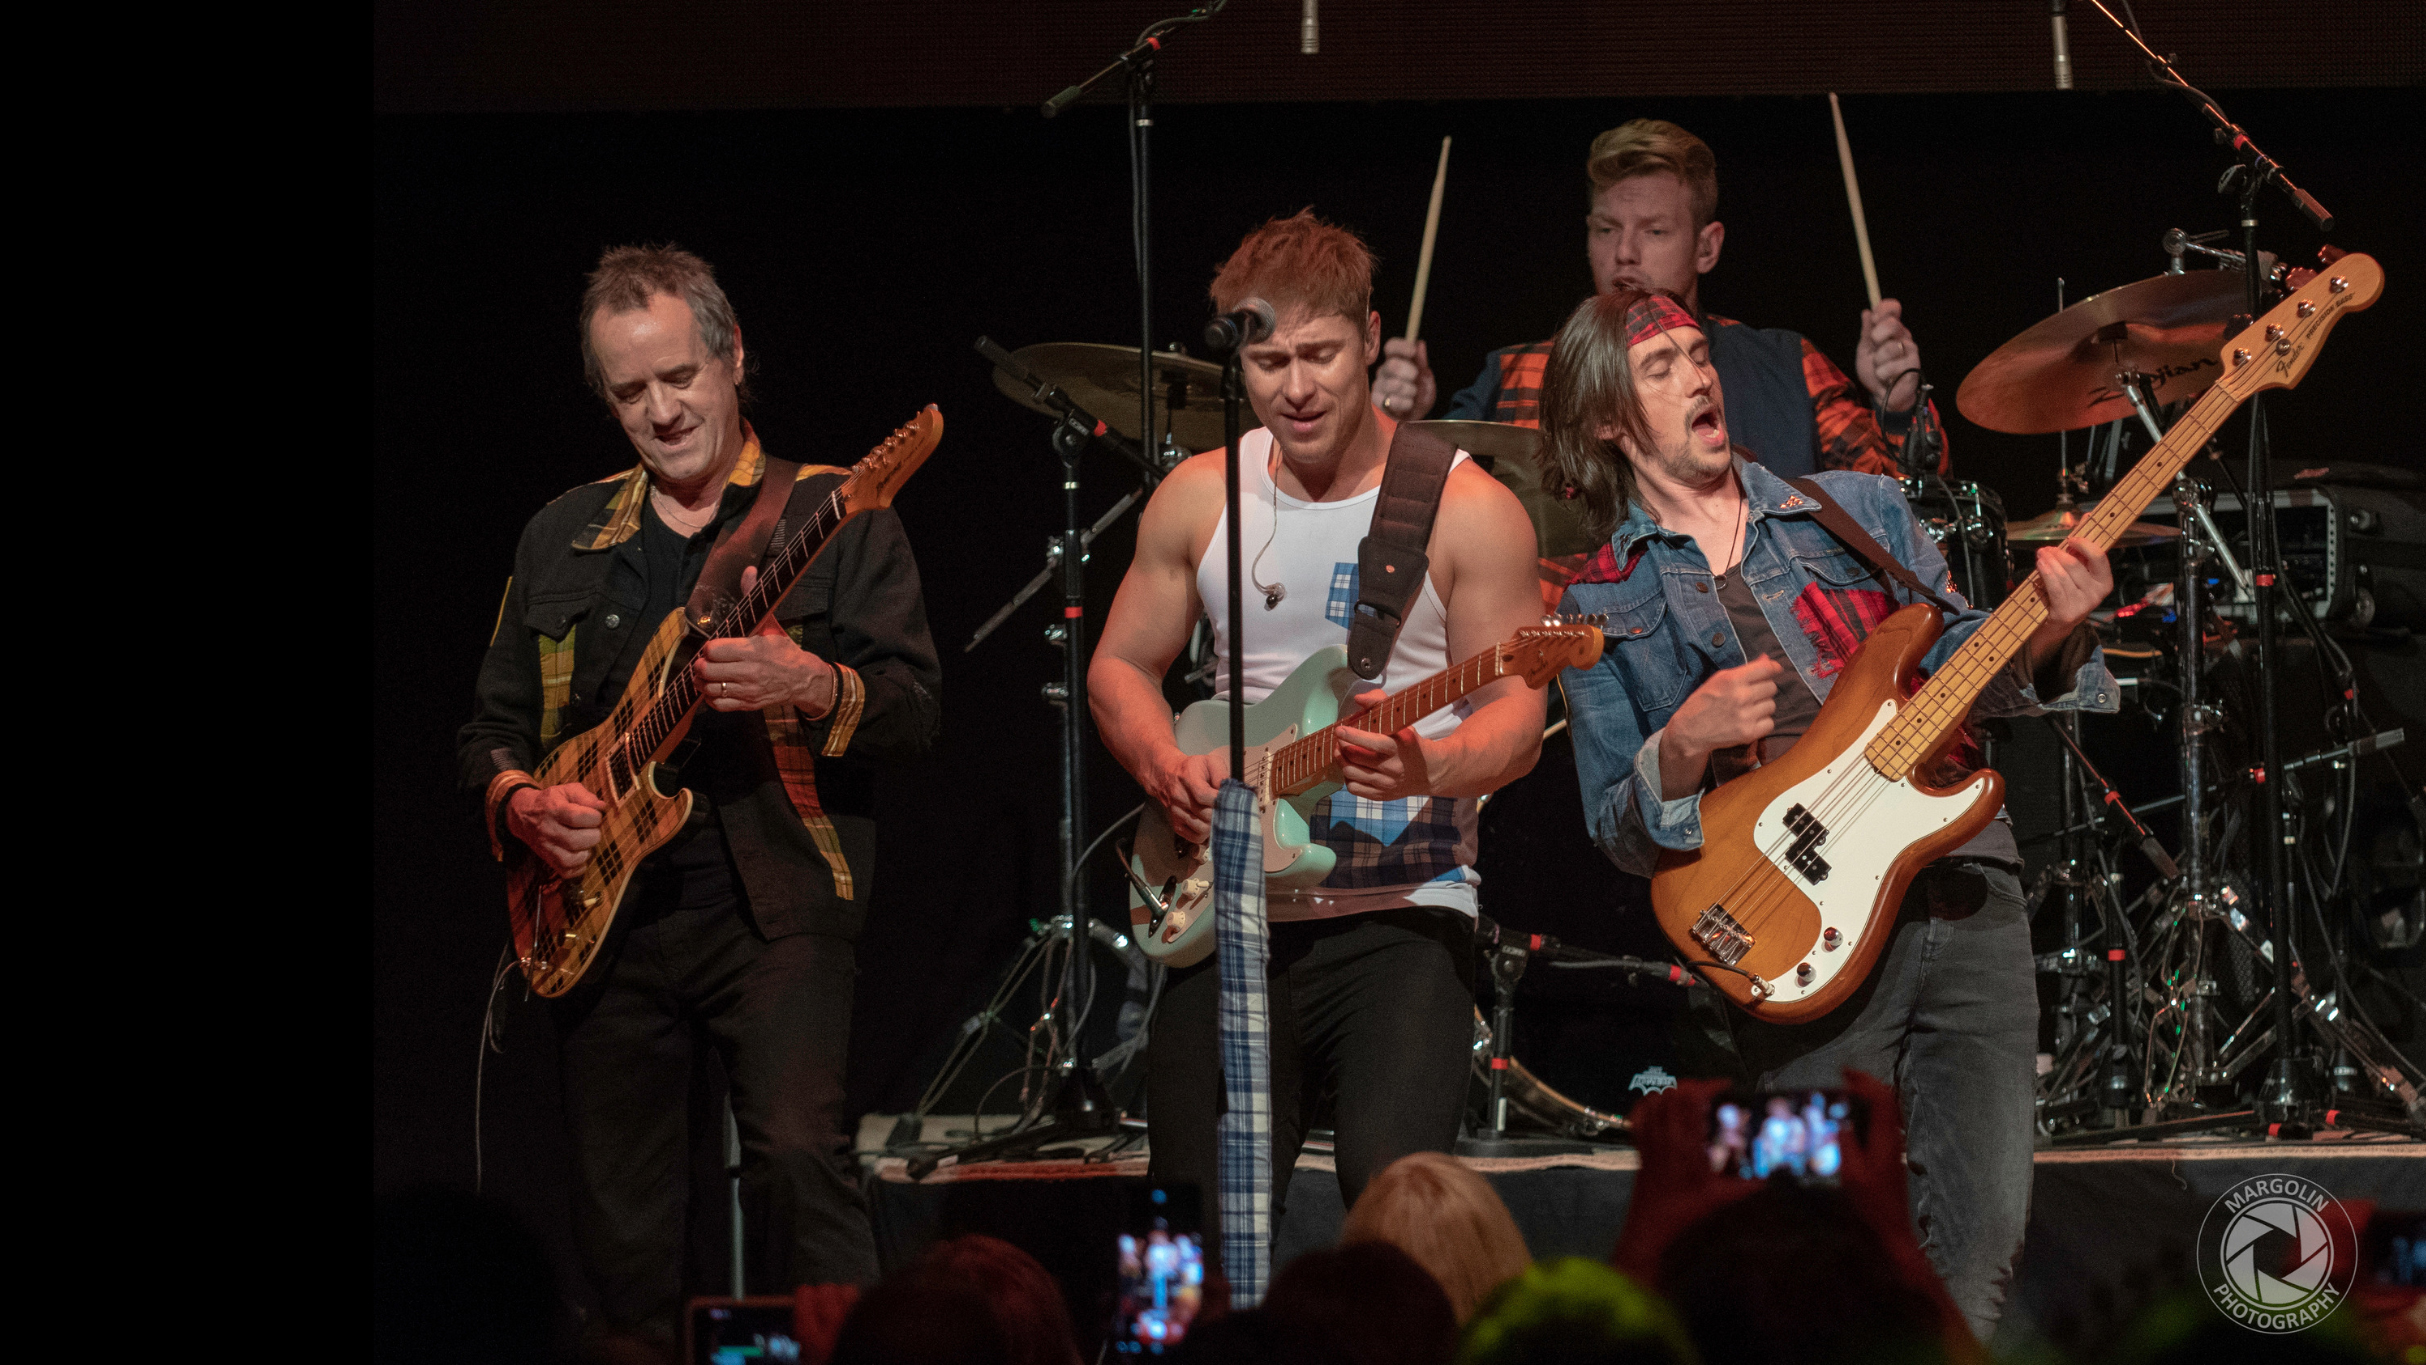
(1588, 384)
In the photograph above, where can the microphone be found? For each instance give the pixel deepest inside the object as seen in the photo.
(1244, 325)
(2063, 46)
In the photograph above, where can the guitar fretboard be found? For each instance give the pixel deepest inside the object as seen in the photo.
(1943, 701)
(1310, 760)
(656, 725)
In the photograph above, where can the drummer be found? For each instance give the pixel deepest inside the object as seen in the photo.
(1654, 197)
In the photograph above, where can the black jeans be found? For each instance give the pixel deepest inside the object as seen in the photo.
(1377, 1009)
(778, 1014)
(1949, 1017)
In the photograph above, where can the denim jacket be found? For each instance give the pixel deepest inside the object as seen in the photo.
(1667, 633)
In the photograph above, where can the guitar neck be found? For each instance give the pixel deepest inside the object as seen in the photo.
(664, 718)
(1946, 699)
(1312, 759)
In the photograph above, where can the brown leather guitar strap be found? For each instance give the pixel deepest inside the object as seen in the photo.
(1390, 560)
(1835, 521)
(743, 544)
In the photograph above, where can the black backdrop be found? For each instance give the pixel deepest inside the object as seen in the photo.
(865, 250)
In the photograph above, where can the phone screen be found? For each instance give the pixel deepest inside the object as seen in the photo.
(2394, 1250)
(742, 1331)
(1161, 1254)
(1797, 1133)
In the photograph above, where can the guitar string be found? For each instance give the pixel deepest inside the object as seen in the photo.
(1921, 726)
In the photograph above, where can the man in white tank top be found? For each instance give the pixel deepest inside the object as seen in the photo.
(1371, 976)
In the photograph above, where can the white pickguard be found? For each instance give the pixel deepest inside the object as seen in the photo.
(1870, 822)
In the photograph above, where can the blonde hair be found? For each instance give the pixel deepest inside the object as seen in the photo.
(1649, 146)
(1447, 1218)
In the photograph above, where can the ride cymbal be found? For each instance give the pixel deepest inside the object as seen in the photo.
(2060, 374)
(1513, 455)
(2054, 525)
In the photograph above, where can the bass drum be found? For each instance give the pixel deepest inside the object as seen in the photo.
(1967, 521)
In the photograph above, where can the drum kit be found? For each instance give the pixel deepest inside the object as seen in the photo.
(2182, 959)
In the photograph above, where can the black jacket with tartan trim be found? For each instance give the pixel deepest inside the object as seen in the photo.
(859, 606)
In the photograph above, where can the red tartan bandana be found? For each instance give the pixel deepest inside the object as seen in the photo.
(1655, 314)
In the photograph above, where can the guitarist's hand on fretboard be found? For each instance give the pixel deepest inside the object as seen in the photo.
(763, 671)
(560, 824)
(2076, 578)
(1382, 767)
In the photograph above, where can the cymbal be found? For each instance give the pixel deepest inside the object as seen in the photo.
(1103, 380)
(2050, 528)
(2060, 374)
(1513, 455)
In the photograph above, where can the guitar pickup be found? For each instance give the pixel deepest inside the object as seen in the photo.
(1717, 931)
(1803, 855)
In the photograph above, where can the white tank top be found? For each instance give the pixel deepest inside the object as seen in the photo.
(1416, 851)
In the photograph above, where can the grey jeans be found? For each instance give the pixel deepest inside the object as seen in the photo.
(1949, 1017)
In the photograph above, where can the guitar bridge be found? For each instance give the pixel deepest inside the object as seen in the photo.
(1717, 931)
(1803, 855)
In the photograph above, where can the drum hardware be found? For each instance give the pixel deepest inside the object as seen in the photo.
(1506, 1082)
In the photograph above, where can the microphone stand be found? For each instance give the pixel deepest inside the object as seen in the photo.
(2289, 1092)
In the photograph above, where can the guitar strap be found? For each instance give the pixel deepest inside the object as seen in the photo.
(743, 544)
(1390, 560)
(1834, 520)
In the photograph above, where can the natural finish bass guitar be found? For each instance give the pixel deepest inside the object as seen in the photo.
(560, 922)
(1793, 894)
(1293, 763)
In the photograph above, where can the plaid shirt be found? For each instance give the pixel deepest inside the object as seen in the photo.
(1849, 431)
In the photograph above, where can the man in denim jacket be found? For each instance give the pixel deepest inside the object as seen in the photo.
(1730, 613)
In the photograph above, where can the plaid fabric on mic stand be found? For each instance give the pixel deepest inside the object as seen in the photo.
(1244, 1133)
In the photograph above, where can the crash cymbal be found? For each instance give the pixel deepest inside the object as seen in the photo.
(1513, 455)
(2060, 374)
(1103, 380)
(2050, 528)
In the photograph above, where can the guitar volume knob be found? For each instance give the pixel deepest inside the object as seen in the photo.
(1832, 940)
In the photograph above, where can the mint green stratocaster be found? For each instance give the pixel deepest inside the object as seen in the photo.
(1292, 762)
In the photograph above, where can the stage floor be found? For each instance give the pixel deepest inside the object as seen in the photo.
(2111, 1229)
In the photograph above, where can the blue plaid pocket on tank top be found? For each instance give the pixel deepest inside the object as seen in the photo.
(1392, 843)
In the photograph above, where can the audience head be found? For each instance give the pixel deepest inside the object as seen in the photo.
(1364, 1304)
(1572, 1311)
(1024, 1300)
(923, 1315)
(1448, 1218)
(1794, 1269)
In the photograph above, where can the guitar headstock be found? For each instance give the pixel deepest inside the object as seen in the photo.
(1539, 652)
(2276, 351)
(881, 472)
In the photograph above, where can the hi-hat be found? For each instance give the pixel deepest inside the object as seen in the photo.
(2052, 526)
(1513, 455)
(1103, 380)
(2061, 374)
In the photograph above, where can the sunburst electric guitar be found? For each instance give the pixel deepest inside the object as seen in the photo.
(1793, 893)
(560, 922)
(1292, 762)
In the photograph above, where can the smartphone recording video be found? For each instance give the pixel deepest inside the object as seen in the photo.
(1162, 1270)
(1793, 1133)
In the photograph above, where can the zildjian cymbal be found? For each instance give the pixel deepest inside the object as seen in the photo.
(2052, 526)
(2061, 374)
(1103, 380)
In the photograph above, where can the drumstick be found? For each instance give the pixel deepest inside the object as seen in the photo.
(1853, 196)
(1423, 259)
